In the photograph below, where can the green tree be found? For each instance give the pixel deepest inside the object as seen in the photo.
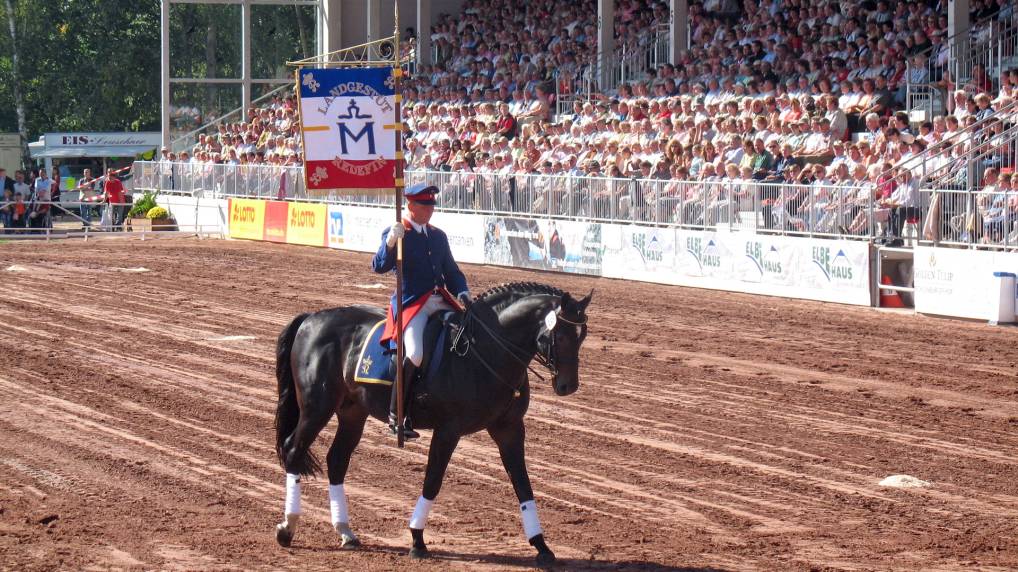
(93, 65)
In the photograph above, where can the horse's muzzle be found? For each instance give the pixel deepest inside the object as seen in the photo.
(566, 388)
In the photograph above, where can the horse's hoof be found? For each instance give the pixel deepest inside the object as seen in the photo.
(419, 553)
(351, 542)
(545, 558)
(283, 536)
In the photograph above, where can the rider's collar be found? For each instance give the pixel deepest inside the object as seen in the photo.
(418, 227)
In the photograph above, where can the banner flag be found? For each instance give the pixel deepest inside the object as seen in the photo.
(348, 122)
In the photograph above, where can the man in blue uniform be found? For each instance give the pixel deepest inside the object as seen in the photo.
(430, 276)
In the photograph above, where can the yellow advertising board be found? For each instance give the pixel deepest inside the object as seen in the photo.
(307, 224)
(247, 219)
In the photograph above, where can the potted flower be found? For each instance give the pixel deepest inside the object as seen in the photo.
(160, 219)
(139, 211)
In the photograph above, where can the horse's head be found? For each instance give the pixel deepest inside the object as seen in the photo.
(559, 341)
(560, 322)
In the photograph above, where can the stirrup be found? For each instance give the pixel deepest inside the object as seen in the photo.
(408, 431)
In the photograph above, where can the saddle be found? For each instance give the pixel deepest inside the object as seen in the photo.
(376, 363)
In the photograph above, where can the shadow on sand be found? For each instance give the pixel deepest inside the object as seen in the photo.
(523, 562)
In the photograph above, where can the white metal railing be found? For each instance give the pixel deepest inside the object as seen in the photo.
(960, 164)
(988, 47)
(979, 219)
(736, 204)
(629, 62)
(221, 179)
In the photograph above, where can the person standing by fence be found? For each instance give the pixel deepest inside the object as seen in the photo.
(39, 216)
(115, 199)
(87, 197)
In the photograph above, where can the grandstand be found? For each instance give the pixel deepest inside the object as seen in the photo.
(798, 117)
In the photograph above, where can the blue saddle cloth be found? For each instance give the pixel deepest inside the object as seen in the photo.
(377, 364)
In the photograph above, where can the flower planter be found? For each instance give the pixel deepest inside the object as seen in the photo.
(148, 225)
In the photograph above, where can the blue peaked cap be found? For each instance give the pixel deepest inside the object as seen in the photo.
(422, 193)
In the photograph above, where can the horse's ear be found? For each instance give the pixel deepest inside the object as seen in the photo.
(567, 300)
(583, 303)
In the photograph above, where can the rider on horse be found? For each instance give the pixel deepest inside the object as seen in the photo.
(429, 275)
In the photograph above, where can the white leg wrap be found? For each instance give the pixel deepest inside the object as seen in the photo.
(292, 494)
(337, 504)
(420, 517)
(531, 524)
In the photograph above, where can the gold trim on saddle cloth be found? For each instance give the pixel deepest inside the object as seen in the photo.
(361, 366)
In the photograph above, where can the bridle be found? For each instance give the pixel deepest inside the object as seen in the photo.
(545, 356)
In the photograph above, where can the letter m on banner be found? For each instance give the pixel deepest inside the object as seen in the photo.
(348, 121)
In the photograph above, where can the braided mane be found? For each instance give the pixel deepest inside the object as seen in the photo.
(502, 296)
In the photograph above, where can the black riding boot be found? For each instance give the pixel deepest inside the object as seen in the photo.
(409, 372)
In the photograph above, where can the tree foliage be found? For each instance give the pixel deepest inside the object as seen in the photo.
(85, 65)
(93, 65)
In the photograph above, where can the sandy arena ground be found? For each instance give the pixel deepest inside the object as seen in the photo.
(710, 431)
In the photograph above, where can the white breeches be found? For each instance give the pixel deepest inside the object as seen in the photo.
(413, 339)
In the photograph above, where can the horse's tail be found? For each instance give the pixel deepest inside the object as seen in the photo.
(287, 408)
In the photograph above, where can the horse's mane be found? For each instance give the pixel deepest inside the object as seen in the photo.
(504, 295)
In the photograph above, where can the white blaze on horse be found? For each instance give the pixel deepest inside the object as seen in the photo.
(480, 384)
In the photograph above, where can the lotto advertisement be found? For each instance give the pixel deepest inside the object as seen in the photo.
(276, 213)
(565, 246)
(306, 224)
(247, 219)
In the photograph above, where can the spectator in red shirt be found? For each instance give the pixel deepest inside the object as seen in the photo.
(115, 199)
(506, 122)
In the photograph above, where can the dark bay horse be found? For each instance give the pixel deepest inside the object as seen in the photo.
(482, 383)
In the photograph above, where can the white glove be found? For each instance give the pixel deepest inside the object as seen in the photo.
(395, 233)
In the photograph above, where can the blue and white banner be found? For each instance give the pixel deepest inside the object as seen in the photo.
(348, 121)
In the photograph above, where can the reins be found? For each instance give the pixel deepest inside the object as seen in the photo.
(517, 353)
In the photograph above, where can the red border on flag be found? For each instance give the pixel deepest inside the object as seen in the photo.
(381, 175)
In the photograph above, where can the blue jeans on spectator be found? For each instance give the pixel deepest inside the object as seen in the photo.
(6, 220)
(86, 213)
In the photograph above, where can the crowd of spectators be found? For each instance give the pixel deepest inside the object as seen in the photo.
(31, 200)
(269, 136)
(26, 202)
(777, 91)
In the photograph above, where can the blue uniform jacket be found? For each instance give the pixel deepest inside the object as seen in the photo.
(427, 264)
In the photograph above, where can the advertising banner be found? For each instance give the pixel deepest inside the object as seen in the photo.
(763, 259)
(247, 219)
(348, 121)
(566, 246)
(639, 253)
(740, 262)
(465, 233)
(306, 224)
(836, 267)
(702, 254)
(336, 230)
(959, 282)
(358, 228)
(276, 216)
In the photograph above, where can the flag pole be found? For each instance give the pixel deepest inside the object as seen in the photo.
(397, 75)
